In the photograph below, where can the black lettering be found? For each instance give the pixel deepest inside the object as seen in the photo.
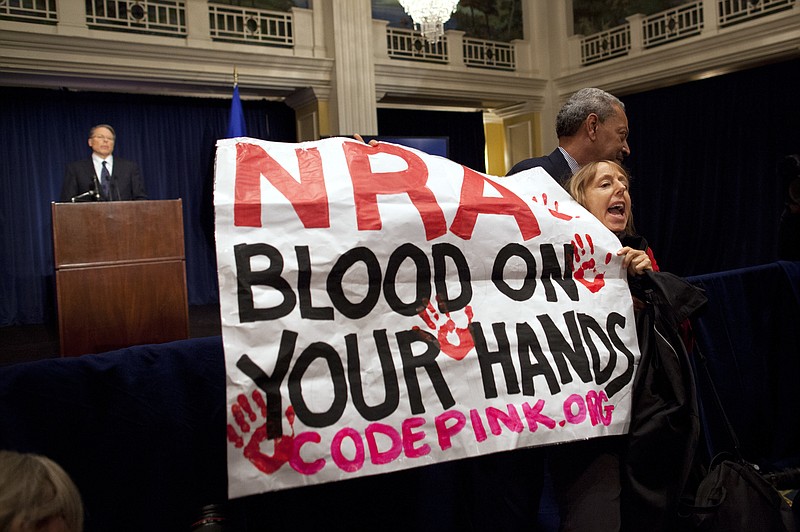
(618, 320)
(524, 292)
(335, 289)
(487, 359)
(391, 388)
(307, 308)
(562, 351)
(589, 326)
(323, 351)
(552, 271)
(271, 385)
(426, 361)
(440, 253)
(422, 280)
(528, 343)
(246, 278)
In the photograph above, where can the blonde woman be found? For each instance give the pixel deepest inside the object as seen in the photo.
(37, 495)
(646, 471)
(603, 188)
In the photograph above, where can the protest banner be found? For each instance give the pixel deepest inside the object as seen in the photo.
(384, 309)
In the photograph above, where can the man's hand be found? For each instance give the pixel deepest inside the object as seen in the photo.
(359, 138)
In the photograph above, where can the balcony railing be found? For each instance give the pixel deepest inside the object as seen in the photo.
(734, 11)
(153, 17)
(411, 46)
(254, 26)
(673, 24)
(477, 53)
(489, 54)
(41, 11)
(606, 45)
(250, 25)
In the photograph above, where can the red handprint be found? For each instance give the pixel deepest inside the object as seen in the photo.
(282, 446)
(447, 329)
(588, 265)
(554, 210)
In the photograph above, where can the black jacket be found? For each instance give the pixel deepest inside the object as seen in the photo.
(554, 164)
(665, 424)
(126, 180)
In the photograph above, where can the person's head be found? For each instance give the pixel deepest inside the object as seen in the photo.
(602, 187)
(101, 140)
(37, 495)
(592, 126)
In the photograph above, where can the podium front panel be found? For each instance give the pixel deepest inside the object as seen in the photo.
(106, 308)
(120, 274)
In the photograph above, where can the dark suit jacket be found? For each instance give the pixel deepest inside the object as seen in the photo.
(554, 164)
(126, 180)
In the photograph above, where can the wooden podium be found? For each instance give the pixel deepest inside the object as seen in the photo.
(120, 274)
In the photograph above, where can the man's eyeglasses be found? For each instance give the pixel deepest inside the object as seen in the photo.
(103, 137)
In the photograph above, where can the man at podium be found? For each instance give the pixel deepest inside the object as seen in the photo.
(102, 177)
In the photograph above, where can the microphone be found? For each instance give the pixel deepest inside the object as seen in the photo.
(89, 193)
(97, 189)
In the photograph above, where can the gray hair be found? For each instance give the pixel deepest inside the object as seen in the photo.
(582, 104)
(111, 129)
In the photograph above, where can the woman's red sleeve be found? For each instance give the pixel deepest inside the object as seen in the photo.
(649, 252)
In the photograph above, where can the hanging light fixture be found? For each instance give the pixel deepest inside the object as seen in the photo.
(429, 16)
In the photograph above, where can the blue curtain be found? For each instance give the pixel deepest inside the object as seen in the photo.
(173, 140)
(706, 191)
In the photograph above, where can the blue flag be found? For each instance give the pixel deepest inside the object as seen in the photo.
(236, 127)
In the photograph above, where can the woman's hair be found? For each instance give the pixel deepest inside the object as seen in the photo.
(576, 185)
(34, 489)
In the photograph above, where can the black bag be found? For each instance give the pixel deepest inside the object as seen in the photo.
(734, 497)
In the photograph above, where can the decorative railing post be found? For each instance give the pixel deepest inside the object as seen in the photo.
(710, 17)
(198, 29)
(71, 17)
(380, 48)
(636, 35)
(455, 45)
(303, 31)
(522, 55)
(575, 50)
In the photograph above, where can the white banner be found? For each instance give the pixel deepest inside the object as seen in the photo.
(384, 309)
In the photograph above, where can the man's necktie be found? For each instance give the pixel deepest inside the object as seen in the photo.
(105, 177)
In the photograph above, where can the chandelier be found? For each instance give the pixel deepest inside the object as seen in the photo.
(429, 16)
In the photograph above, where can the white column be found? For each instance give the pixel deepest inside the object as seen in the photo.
(353, 108)
(562, 61)
(553, 23)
